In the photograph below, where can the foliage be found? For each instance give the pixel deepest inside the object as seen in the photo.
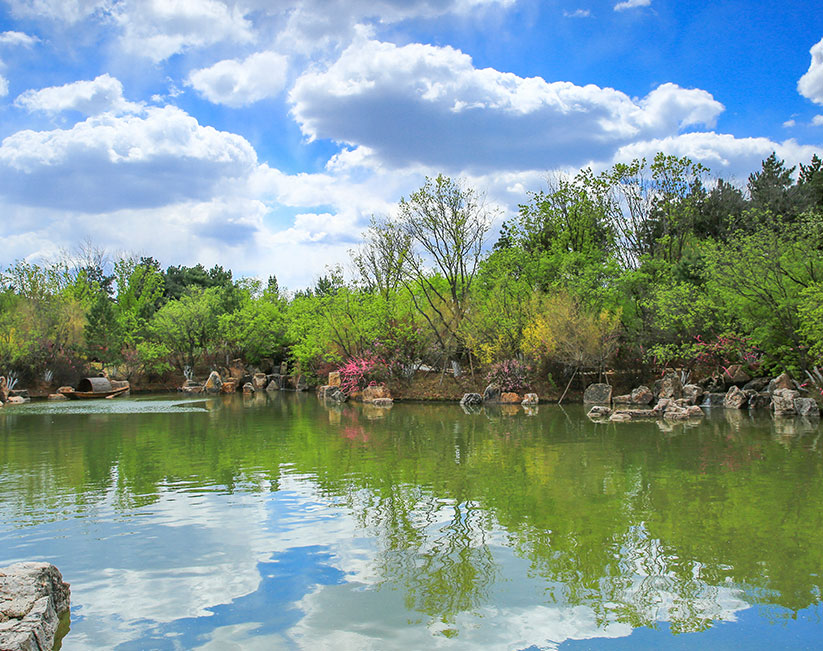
(509, 375)
(356, 373)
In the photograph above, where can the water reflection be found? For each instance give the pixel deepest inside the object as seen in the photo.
(278, 521)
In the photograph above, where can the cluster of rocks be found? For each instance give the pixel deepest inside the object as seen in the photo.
(493, 394)
(33, 597)
(677, 401)
(374, 394)
(238, 378)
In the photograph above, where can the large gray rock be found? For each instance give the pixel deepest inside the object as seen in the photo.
(335, 394)
(713, 399)
(783, 402)
(642, 395)
(806, 407)
(33, 596)
(692, 393)
(782, 381)
(492, 393)
(259, 381)
(669, 386)
(598, 394)
(599, 412)
(471, 399)
(735, 398)
(758, 384)
(530, 399)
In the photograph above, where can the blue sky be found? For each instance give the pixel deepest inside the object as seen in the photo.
(262, 135)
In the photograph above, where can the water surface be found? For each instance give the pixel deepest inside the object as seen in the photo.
(278, 522)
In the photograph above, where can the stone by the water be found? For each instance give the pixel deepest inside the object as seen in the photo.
(471, 399)
(33, 596)
(598, 393)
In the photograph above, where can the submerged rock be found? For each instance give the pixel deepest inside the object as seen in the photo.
(33, 596)
(598, 412)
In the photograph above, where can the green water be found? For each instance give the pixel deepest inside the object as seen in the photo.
(278, 522)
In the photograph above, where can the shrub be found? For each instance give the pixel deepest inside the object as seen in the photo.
(509, 375)
(359, 372)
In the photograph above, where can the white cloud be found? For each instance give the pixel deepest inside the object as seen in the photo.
(108, 163)
(631, 4)
(69, 11)
(102, 94)
(237, 83)
(158, 29)
(724, 154)
(790, 123)
(4, 86)
(817, 121)
(18, 39)
(578, 13)
(421, 104)
(811, 84)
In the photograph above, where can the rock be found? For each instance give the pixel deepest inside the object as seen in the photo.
(57, 396)
(248, 387)
(335, 394)
(782, 381)
(692, 393)
(321, 391)
(191, 387)
(759, 400)
(334, 379)
(662, 405)
(670, 385)
(642, 395)
(375, 392)
(599, 412)
(65, 390)
(382, 402)
(530, 399)
(491, 393)
(735, 398)
(17, 400)
(676, 413)
(695, 411)
(806, 407)
(33, 596)
(783, 402)
(625, 399)
(736, 375)
(4, 389)
(757, 385)
(619, 417)
(284, 368)
(273, 386)
(259, 380)
(598, 393)
(275, 382)
(229, 386)
(214, 383)
(638, 414)
(712, 384)
(510, 398)
(471, 399)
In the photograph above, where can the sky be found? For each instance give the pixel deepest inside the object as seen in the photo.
(262, 135)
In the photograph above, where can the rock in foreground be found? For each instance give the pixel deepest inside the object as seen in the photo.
(33, 596)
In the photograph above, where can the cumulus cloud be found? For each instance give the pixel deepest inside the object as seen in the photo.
(18, 39)
(817, 121)
(631, 4)
(420, 104)
(578, 13)
(108, 162)
(158, 29)
(811, 84)
(238, 83)
(4, 86)
(102, 94)
(724, 154)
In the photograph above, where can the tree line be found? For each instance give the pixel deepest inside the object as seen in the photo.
(645, 265)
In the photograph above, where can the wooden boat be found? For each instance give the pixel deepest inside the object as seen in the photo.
(90, 388)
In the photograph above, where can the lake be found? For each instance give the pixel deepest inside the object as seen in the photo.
(276, 522)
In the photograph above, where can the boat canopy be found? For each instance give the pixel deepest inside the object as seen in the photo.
(94, 384)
